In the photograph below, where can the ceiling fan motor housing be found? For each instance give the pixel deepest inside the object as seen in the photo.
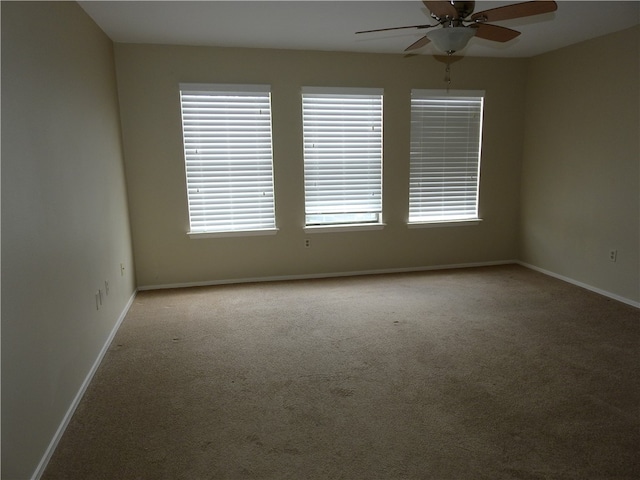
(464, 9)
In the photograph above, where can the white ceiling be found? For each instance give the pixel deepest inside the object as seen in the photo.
(331, 25)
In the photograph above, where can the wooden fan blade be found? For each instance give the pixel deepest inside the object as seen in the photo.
(418, 44)
(495, 32)
(441, 9)
(396, 28)
(517, 10)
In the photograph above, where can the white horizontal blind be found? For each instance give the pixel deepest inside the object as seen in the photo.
(342, 155)
(446, 132)
(228, 157)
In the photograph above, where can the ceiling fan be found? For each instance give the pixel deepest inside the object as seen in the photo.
(459, 24)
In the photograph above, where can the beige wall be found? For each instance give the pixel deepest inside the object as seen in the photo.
(580, 181)
(65, 227)
(148, 78)
(64, 207)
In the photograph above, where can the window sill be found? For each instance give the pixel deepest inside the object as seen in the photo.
(343, 228)
(445, 223)
(238, 233)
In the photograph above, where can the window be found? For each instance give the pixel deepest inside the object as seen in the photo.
(228, 158)
(342, 131)
(446, 132)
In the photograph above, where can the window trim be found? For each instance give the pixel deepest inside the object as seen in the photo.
(445, 223)
(344, 227)
(235, 233)
(230, 229)
(462, 221)
(373, 224)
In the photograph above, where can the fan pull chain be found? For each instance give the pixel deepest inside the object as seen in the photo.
(447, 71)
(447, 76)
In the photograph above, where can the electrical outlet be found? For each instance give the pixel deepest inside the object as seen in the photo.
(613, 255)
(307, 242)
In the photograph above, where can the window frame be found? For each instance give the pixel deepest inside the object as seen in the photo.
(261, 211)
(311, 132)
(425, 221)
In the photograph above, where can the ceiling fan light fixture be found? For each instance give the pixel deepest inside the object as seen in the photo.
(451, 39)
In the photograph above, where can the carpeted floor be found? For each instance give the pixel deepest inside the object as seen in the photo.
(486, 373)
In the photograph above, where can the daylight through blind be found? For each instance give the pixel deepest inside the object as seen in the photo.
(342, 155)
(446, 133)
(228, 156)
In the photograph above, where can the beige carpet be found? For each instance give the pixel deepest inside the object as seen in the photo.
(486, 373)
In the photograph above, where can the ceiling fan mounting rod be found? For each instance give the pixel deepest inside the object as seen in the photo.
(452, 22)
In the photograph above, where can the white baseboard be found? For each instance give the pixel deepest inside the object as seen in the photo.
(76, 401)
(312, 276)
(613, 296)
(391, 270)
